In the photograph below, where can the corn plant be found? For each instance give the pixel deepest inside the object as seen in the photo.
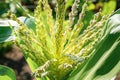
(61, 49)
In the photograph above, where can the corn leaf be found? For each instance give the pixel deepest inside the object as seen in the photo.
(6, 33)
(105, 61)
(5, 30)
(6, 73)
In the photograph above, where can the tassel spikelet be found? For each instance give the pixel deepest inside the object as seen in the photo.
(78, 26)
(73, 12)
(56, 47)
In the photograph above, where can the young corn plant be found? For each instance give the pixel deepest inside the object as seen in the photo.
(61, 49)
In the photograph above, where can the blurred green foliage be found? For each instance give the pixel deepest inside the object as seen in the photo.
(7, 73)
(3, 7)
(4, 47)
(29, 5)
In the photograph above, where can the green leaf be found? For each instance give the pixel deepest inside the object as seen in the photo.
(4, 7)
(6, 33)
(115, 22)
(6, 73)
(105, 61)
(107, 8)
(5, 30)
(30, 22)
(68, 4)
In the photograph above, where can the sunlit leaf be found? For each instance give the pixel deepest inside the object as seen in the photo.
(105, 62)
(109, 7)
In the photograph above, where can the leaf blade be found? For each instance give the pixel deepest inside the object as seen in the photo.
(6, 73)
